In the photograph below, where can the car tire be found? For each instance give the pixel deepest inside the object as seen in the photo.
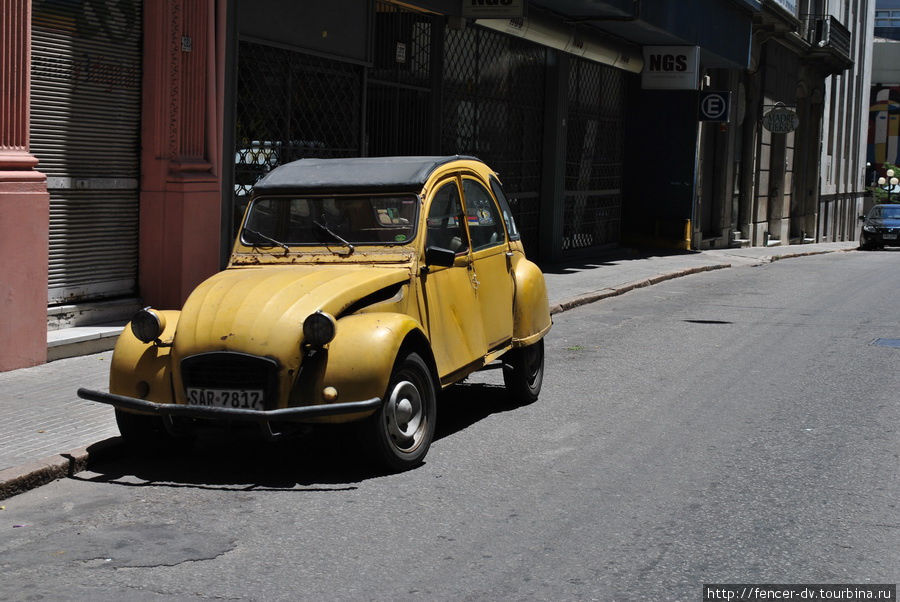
(523, 372)
(401, 431)
(141, 430)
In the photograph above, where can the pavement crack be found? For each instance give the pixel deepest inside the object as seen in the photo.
(199, 558)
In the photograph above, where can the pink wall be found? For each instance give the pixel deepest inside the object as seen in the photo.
(24, 203)
(181, 204)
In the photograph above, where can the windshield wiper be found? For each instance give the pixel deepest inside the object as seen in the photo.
(268, 238)
(334, 235)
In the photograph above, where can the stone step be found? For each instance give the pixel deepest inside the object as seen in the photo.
(82, 340)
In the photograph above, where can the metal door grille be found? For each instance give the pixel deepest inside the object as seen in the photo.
(594, 156)
(291, 106)
(398, 98)
(493, 108)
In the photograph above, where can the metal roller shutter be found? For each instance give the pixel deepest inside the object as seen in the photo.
(85, 130)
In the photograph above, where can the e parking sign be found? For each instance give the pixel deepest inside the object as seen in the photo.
(715, 106)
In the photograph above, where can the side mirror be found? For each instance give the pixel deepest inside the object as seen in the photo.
(862, 218)
(439, 256)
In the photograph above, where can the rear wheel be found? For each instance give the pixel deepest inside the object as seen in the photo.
(523, 372)
(403, 428)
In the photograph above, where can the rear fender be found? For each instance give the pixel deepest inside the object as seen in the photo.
(531, 310)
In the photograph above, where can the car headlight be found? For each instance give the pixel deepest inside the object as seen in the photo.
(319, 329)
(148, 325)
(868, 228)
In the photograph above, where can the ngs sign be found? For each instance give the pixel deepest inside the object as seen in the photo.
(671, 68)
(493, 9)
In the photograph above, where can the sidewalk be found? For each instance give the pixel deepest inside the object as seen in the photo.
(45, 429)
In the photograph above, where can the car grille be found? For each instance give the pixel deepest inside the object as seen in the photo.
(230, 370)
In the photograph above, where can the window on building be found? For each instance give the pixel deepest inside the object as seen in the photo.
(887, 18)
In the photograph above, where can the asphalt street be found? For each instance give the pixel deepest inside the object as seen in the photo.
(736, 426)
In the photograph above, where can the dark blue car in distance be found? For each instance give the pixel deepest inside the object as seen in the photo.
(881, 227)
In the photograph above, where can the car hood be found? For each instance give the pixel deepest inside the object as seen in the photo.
(884, 222)
(260, 310)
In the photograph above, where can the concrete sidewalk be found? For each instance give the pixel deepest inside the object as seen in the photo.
(47, 432)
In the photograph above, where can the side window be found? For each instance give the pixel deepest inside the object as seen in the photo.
(445, 229)
(504, 207)
(482, 216)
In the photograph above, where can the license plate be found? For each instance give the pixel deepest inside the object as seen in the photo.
(244, 399)
(889, 236)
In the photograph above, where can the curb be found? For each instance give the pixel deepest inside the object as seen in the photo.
(32, 475)
(630, 286)
(774, 258)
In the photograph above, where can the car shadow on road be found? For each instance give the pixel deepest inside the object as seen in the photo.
(465, 404)
(328, 458)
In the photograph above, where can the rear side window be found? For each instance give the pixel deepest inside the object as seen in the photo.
(504, 207)
(485, 228)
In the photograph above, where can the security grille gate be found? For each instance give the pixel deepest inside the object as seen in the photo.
(291, 106)
(85, 123)
(398, 91)
(493, 108)
(594, 156)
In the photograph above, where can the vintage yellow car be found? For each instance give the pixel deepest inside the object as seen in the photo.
(355, 290)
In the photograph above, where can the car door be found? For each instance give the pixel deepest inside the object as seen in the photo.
(451, 313)
(490, 262)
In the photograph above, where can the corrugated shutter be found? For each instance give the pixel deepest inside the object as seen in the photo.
(85, 130)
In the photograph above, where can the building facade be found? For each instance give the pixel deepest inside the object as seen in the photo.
(884, 104)
(133, 131)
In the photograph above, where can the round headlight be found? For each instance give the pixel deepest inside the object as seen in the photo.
(319, 329)
(148, 325)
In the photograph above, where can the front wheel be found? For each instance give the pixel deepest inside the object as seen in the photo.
(523, 372)
(402, 429)
(139, 430)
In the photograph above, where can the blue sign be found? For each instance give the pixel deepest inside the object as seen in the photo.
(715, 106)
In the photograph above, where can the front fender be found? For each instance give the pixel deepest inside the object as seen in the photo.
(143, 370)
(357, 363)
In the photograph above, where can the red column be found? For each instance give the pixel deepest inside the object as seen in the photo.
(180, 188)
(24, 202)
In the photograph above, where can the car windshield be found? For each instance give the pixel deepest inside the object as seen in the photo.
(327, 220)
(886, 212)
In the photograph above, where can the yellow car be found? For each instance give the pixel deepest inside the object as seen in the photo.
(356, 289)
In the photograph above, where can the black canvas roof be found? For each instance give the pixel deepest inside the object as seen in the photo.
(359, 174)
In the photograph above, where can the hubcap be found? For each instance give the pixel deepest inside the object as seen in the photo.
(404, 415)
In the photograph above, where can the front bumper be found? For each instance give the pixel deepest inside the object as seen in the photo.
(881, 237)
(173, 410)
